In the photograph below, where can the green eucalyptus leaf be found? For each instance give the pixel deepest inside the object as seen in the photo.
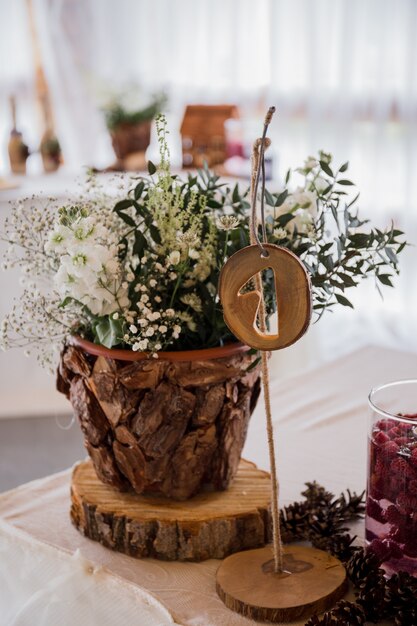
(326, 168)
(281, 198)
(122, 205)
(342, 300)
(139, 190)
(385, 279)
(126, 218)
(151, 168)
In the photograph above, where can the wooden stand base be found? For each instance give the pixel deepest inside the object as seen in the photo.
(210, 525)
(314, 582)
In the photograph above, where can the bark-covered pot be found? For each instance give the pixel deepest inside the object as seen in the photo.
(129, 138)
(174, 425)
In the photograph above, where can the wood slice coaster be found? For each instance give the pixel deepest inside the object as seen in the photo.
(211, 525)
(314, 582)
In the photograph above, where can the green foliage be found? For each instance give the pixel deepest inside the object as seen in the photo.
(319, 223)
(116, 114)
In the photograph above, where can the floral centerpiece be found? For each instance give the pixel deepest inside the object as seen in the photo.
(127, 288)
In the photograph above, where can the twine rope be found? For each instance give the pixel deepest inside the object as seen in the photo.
(258, 168)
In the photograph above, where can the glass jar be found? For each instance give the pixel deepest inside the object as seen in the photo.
(391, 505)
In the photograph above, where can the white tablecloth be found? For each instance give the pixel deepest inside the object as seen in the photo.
(50, 574)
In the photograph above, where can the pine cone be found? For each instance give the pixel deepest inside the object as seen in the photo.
(401, 594)
(344, 613)
(294, 521)
(406, 618)
(349, 613)
(338, 545)
(372, 599)
(362, 566)
(316, 495)
(326, 620)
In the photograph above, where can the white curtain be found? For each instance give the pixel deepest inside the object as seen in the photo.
(342, 73)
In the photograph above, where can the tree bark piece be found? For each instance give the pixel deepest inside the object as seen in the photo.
(210, 525)
(313, 582)
(173, 428)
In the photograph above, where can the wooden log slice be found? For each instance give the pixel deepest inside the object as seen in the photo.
(313, 582)
(211, 525)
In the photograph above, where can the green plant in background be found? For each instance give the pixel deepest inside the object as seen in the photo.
(142, 272)
(117, 113)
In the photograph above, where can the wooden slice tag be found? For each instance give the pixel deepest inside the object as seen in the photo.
(293, 293)
(313, 583)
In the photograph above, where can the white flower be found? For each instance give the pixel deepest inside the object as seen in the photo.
(133, 329)
(157, 346)
(170, 312)
(280, 233)
(149, 331)
(228, 222)
(325, 156)
(173, 275)
(115, 316)
(176, 331)
(152, 282)
(143, 344)
(144, 298)
(158, 299)
(193, 301)
(193, 253)
(310, 163)
(189, 238)
(303, 205)
(174, 258)
(142, 322)
(187, 318)
(163, 329)
(321, 184)
(143, 288)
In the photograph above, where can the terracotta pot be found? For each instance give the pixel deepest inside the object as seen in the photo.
(130, 138)
(175, 425)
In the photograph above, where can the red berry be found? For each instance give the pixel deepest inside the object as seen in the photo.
(413, 458)
(374, 510)
(385, 549)
(389, 449)
(402, 441)
(385, 424)
(398, 534)
(406, 503)
(381, 437)
(393, 515)
(402, 468)
(394, 432)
